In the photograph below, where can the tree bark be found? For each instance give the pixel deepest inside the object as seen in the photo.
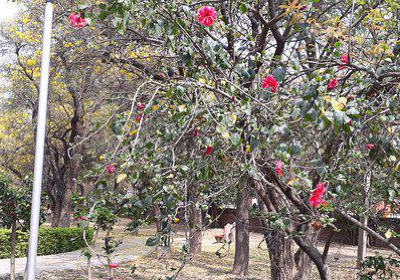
(195, 222)
(65, 219)
(55, 222)
(241, 263)
(13, 248)
(362, 234)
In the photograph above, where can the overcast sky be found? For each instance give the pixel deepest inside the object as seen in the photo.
(8, 9)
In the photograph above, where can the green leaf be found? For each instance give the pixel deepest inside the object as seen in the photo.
(153, 241)
(242, 8)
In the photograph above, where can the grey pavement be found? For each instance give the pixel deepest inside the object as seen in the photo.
(132, 248)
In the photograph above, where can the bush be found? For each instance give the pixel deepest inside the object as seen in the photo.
(51, 241)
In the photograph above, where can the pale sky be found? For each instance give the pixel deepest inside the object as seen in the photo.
(8, 9)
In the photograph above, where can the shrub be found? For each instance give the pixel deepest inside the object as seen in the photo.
(51, 241)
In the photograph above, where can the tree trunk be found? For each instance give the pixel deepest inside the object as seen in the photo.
(280, 255)
(195, 222)
(157, 213)
(55, 222)
(362, 234)
(66, 207)
(285, 264)
(89, 268)
(241, 263)
(13, 248)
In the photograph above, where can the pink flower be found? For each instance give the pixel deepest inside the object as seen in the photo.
(208, 150)
(345, 60)
(110, 168)
(83, 218)
(278, 168)
(113, 265)
(140, 106)
(316, 197)
(77, 21)
(369, 146)
(206, 15)
(332, 83)
(270, 82)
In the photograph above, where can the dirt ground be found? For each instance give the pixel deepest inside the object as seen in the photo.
(209, 266)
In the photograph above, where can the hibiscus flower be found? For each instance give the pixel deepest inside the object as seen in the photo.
(270, 82)
(207, 15)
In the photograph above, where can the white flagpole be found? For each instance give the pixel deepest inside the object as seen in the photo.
(40, 141)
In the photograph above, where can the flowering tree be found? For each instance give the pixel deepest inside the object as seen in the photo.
(281, 91)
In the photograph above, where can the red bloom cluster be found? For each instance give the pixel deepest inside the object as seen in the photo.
(110, 168)
(77, 21)
(196, 132)
(278, 168)
(140, 106)
(316, 197)
(113, 265)
(344, 59)
(332, 83)
(206, 15)
(208, 150)
(139, 117)
(369, 146)
(270, 82)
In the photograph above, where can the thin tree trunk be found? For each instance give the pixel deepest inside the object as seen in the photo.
(89, 268)
(157, 213)
(96, 235)
(13, 248)
(55, 222)
(362, 234)
(195, 222)
(241, 263)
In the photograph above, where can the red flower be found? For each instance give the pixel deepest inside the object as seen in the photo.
(110, 169)
(369, 146)
(77, 21)
(139, 117)
(206, 15)
(196, 132)
(208, 150)
(302, 8)
(113, 265)
(270, 82)
(350, 122)
(316, 197)
(332, 83)
(278, 168)
(140, 106)
(233, 98)
(344, 59)
(83, 218)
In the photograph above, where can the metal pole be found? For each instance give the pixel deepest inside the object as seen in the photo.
(40, 141)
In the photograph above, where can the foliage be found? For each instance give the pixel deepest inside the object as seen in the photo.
(51, 241)
(379, 267)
